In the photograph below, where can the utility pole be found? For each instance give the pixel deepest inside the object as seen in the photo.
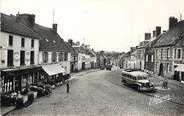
(53, 17)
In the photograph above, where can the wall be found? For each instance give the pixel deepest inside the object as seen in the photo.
(4, 40)
(164, 60)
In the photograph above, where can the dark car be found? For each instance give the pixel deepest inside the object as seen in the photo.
(108, 67)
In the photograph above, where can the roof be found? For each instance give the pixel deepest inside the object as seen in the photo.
(50, 41)
(10, 25)
(136, 73)
(171, 36)
(70, 48)
(91, 52)
(149, 47)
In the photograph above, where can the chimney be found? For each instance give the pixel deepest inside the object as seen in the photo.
(154, 33)
(164, 31)
(172, 22)
(70, 41)
(78, 43)
(147, 36)
(27, 19)
(54, 27)
(158, 31)
(87, 46)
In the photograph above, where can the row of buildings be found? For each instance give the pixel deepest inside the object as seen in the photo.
(31, 53)
(162, 53)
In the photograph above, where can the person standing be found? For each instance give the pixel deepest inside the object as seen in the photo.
(67, 87)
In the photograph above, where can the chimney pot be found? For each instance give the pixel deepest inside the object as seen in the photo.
(54, 27)
(172, 22)
(70, 41)
(147, 36)
(158, 30)
(154, 33)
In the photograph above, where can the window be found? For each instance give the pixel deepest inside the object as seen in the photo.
(167, 67)
(156, 53)
(168, 53)
(54, 57)
(10, 58)
(10, 40)
(45, 57)
(22, 42)
(161, 53)
(178, 53)
(175, 53)
(32, 43)
(152, 58)
(66, 56)
(32, 57)
(157, 66)
(146, 58)
(60, 56)
(22, 57)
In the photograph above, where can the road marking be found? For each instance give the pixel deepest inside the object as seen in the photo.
(158, 99)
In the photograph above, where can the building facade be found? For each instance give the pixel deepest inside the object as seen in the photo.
(19, 49)
(166, 52)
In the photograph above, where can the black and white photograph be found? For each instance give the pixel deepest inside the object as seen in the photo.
(92, 57)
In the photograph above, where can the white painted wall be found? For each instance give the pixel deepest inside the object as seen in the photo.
(4, 40)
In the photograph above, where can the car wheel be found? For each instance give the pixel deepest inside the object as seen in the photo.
(138, 88)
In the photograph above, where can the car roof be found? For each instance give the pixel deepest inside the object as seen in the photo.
(136, 73)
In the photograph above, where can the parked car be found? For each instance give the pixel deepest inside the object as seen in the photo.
(108, 67)
(102, 67)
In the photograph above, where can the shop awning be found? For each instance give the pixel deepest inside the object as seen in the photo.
(180, 68)
(53, 69)
(20, 70)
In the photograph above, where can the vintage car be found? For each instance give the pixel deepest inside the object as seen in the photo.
(108, 67)
(138, 80)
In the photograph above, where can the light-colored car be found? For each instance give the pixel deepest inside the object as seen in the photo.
(138, 79)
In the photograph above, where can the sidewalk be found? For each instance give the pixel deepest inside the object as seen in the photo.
(5, 110)
(175, 89)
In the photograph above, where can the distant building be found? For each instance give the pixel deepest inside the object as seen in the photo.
(74, 56)
(150, 53)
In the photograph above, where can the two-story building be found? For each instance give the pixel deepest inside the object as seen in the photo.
(150, 52)
(168, 49)
(74, 56)
(141, 51)
(19, 49)
(54, 56)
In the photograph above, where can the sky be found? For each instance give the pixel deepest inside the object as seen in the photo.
(110, 25)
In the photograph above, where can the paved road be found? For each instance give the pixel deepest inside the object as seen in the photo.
(101, 93)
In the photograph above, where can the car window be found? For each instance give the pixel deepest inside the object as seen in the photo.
(141, 77)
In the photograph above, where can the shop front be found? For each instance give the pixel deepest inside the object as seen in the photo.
(18, 78)
(53, 73)
(179, 72)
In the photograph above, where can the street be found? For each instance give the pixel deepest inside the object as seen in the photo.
(101, 93)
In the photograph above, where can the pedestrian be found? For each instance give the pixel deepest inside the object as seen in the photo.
(165, 83)
(67, 87)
